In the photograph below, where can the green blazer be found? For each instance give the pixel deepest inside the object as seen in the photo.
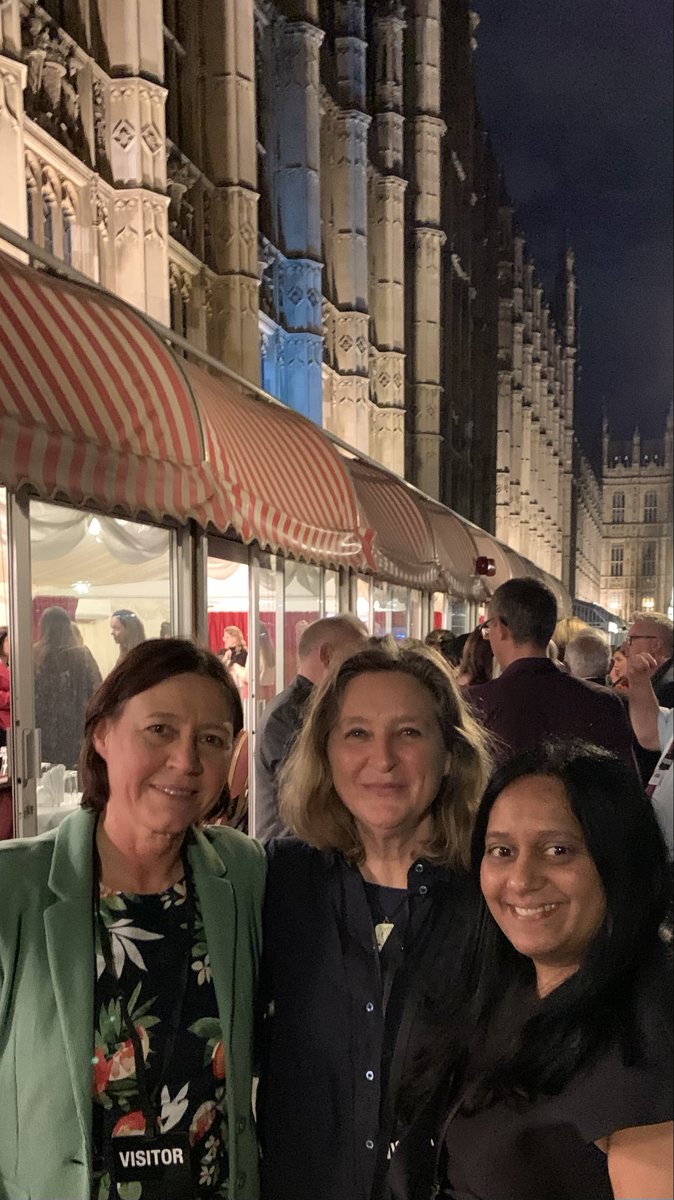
(47, 973)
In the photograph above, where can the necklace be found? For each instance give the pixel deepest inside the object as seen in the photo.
(384, 927)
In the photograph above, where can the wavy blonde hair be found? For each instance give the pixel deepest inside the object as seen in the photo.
(309, 803)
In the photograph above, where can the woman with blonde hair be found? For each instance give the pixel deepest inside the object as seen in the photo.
(380, 789)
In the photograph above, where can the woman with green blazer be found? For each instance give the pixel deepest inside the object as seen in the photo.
(129, 943)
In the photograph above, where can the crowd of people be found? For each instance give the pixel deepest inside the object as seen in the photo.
(449, 968)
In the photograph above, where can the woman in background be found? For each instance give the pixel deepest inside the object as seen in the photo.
(127, 630)
(66, 676)
(617, 675)
(477, 660)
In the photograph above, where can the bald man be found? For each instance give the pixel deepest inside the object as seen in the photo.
(323, 645)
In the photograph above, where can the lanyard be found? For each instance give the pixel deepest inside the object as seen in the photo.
(148, 1097)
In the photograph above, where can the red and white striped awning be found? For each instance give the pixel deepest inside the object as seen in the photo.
(403, 547)
(94, 407)
(284, 484)
(512, 565)
(457, 552)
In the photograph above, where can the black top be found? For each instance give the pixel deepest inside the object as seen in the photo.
(547, 1150)
(149, 938)
(281, 723)
(338, 1021)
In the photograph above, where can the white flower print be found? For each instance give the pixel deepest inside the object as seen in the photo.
(207, 1173)
(123, 936)
(172, 1110)
(211, 1147)
(203, 969)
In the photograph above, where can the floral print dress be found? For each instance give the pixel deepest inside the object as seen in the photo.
(149, 939)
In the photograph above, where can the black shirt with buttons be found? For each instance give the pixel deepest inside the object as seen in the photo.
(340, 961)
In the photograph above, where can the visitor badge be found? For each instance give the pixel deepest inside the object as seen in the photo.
(161, 1160)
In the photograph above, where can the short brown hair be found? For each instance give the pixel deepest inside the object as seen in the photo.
(150, 663)
(309, 803)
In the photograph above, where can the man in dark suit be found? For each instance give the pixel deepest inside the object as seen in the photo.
(534, 699)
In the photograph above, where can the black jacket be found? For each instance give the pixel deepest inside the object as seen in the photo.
(328, 1047)
(281, 723)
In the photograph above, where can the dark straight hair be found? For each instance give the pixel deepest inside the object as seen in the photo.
(145, 666)
(491, 1035)
(572, 1024)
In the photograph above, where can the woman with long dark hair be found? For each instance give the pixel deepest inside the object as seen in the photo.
(66, 676)
(561, 1085)
(127, 630)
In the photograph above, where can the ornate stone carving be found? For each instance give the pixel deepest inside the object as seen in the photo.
(52, 97)
(123, 133)
(182, 176)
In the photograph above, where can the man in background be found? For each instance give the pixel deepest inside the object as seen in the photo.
(651, 634)
(588, 657)
(322, 646)
(533, 699)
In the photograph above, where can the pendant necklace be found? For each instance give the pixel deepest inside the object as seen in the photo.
(384, 928)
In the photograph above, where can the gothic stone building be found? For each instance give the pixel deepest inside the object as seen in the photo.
(304, 189)
(636, 569)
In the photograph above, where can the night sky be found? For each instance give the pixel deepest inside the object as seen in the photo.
(577, 97)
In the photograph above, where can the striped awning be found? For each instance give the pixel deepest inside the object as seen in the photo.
(281, 479)
(512, 565)
(403, 547)
(456, 551)
(94, 407)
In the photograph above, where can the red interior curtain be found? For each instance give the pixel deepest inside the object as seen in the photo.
(42, 602)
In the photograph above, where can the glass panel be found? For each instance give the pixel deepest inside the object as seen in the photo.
(363, 602)
(417, 602)
(458, 616)
(269, 653)
(398, 604)
(100, 586)
(6, 821)
(438, 614)
(227, 597)
(331, 593)
(302, 589)
(381, 614)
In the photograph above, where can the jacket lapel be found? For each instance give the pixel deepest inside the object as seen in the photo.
(216, 900)
(69, 934)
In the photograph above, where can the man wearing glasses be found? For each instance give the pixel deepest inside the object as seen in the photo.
(651, 633)
(532, 699)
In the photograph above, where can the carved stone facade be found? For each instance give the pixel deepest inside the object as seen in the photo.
(586, 529)
(304, 189)
(636, 565)
(536, 380)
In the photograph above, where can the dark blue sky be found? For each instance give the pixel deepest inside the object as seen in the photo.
(577, 96)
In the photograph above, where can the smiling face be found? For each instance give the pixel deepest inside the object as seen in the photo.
(538, 879)
(387, 753)
(167, 754)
